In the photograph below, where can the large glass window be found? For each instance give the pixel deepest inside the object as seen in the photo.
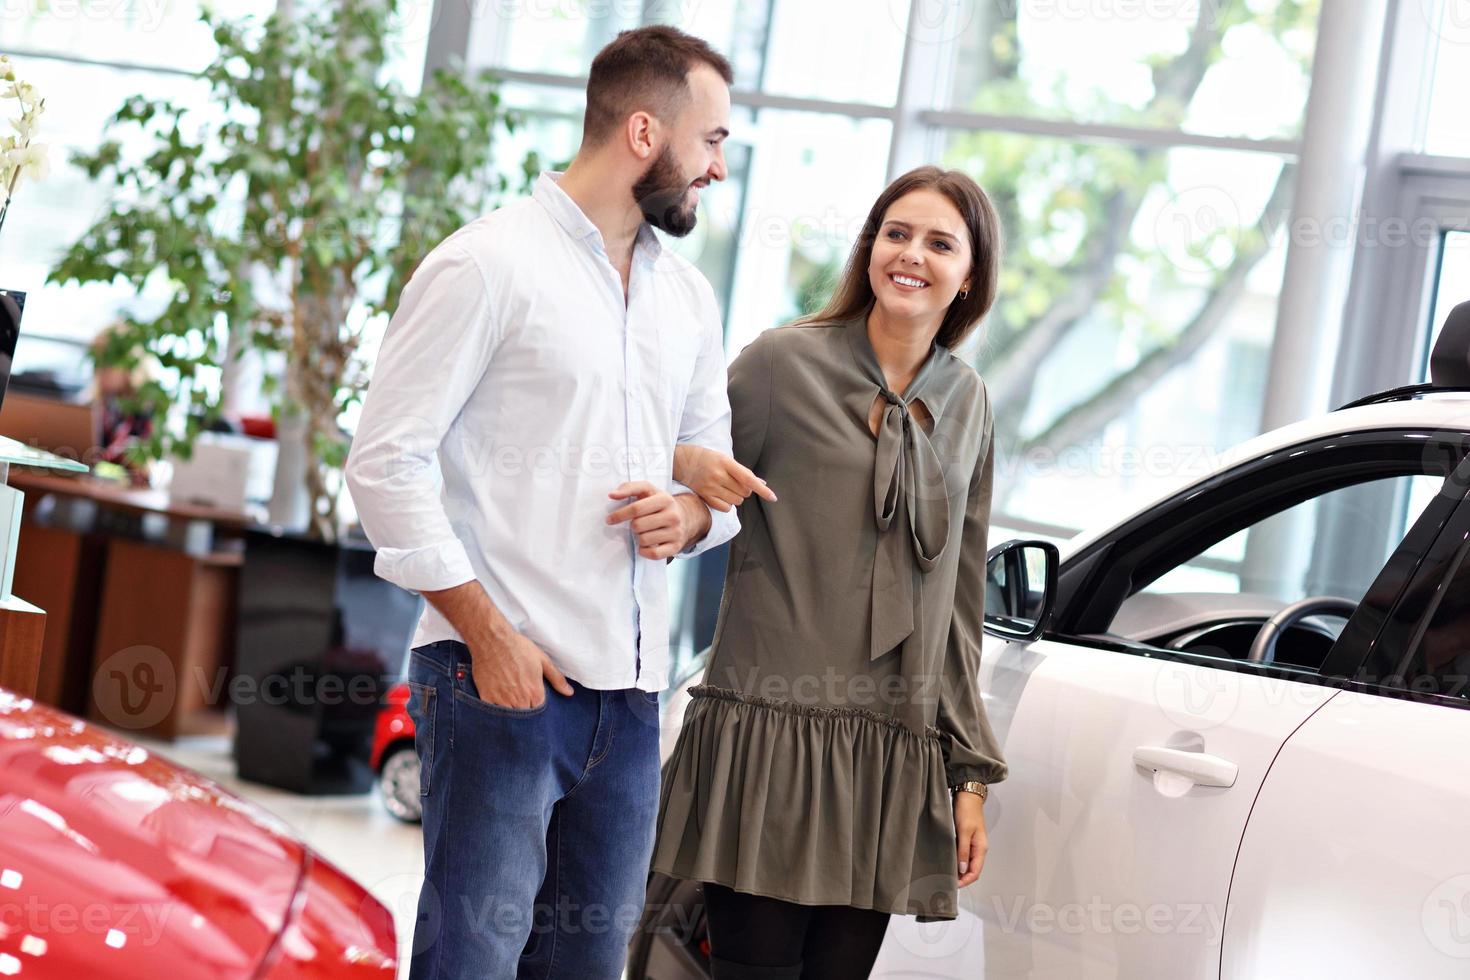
(1452, 286)
(1220, 69)
(1136, 313)
(550, 127)
(560, 37)
(851, 53)
(813, 177)
(46, 216)
(1304, 550)
(1412, 264)
(160, 34)
(714, 244)
(1448, 129)
(86, 59)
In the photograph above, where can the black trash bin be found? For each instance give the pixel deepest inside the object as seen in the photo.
(320, 640)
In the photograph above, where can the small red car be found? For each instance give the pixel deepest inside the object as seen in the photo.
(117, 863)
(394, 758)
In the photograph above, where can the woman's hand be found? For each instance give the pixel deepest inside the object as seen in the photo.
(720, 482)
(969, 825)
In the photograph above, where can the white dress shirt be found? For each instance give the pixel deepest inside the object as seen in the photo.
(513, 392)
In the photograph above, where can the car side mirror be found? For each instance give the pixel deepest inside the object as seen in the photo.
(1020, 588)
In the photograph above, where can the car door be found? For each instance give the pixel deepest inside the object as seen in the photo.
(1134, 766)
(1359, 829)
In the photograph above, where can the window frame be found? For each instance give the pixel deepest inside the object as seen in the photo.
(1391, 288)
(1395, 657)
(1094, 583)
(1429, 191)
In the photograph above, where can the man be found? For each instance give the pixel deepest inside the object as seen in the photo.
(512, 464)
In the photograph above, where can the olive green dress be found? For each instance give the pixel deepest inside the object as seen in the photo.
(840, 700)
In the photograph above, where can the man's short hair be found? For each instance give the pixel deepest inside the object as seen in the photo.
(645, 69)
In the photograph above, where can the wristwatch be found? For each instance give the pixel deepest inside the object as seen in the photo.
(971, 786)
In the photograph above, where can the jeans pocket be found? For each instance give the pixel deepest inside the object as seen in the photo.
(462, 679)
(421, 704)
(464, 691)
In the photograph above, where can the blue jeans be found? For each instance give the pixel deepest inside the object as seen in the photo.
(538, 826)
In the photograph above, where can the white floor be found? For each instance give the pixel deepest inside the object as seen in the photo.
(353, 832)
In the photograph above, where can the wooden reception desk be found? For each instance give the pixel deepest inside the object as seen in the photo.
(130, 577)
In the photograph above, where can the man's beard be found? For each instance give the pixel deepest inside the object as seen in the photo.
(660, 194)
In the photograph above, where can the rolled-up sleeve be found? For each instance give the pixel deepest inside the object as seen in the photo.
(706, 422)
(436, 351)
(970, 748)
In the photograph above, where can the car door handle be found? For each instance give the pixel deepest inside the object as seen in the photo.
(1197, 767)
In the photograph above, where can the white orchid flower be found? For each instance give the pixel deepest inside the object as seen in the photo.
(32, 160)
(37, 165)
(19, 157)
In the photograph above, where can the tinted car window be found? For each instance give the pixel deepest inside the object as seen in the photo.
(1333, 544)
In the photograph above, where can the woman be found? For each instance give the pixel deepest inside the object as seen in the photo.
(112, 385)
(831, 769)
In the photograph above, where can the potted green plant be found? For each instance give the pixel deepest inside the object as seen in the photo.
(284, 220)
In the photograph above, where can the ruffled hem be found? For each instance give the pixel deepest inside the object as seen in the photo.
(811, 804)
(808, 710)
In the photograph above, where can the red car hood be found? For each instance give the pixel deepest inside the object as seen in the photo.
(115, 862)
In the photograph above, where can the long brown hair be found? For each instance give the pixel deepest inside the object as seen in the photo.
(854, 293)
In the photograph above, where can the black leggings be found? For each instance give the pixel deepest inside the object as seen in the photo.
(756, 937)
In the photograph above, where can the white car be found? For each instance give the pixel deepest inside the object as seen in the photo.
(1236, 724)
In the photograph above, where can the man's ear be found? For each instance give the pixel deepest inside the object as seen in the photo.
(642, 133)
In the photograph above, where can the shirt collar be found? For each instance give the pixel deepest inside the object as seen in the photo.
(933, 367)
(559, 204)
